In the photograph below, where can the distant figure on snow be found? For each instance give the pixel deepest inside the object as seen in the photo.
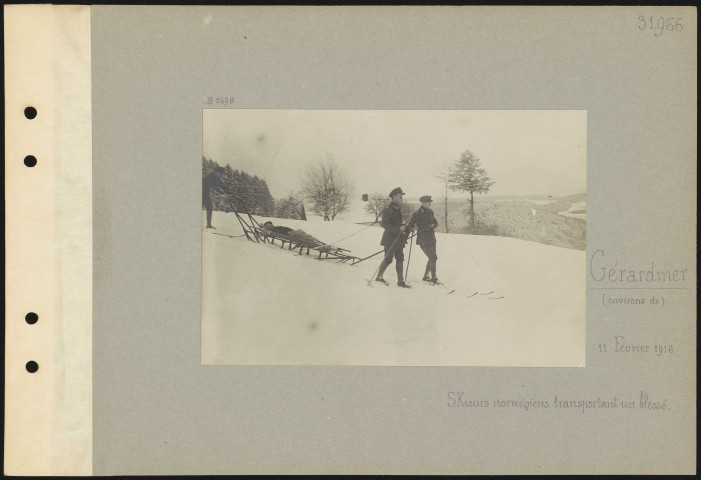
(212, 181)
(425, 223)
(393, 238)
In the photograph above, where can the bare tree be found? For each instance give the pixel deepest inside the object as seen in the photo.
(292, 206)
(442, 172)
(467, 176)
(376, 204)
(327, 188)
(407, 210)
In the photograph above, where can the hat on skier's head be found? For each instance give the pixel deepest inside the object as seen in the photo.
(396, 191)
(268, 223)
(425, 198)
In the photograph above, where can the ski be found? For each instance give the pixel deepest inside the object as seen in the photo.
(492, 298)
(431, 284)
(445, 287)
(452, 290)
(225, 235)
(386, 283)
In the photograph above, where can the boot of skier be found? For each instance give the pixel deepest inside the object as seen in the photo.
(425, 222)
(393, 238)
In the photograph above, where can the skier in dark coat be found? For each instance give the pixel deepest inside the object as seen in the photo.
(393, 238)
(425, 222)
(212, 181)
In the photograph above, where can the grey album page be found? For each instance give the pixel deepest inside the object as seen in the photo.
(567, 345)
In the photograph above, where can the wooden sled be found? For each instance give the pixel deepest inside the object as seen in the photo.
(255, 232)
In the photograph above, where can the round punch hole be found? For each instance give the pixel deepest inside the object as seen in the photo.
(30, 160)
(30, 112)
(32, 366)
(31, 318)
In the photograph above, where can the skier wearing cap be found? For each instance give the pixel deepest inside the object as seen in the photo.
(393, 238)
(212, 181)
(425, 223)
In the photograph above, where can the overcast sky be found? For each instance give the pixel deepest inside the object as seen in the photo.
(525, 152)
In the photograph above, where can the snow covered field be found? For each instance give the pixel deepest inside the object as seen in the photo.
(541, 202)
(265, 306)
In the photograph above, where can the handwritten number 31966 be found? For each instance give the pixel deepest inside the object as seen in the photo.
(660, 24)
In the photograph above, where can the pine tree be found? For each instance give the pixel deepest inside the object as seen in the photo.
(467, 176)
(247, 193)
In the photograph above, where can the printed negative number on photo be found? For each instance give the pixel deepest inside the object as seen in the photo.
(362, 237)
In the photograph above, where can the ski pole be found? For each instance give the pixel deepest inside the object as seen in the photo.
(411, 242)
(389, 252)
(376, 253)
(369, 256)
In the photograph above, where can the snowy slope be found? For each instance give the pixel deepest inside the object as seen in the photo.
(578, 206)
(263, 305)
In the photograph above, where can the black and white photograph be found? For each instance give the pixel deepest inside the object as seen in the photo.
(407, 238)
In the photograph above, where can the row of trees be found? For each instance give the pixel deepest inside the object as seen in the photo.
(325, 186)
(328, 190)
(248, 193)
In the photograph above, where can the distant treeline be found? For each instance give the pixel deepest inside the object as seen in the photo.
(251, 194)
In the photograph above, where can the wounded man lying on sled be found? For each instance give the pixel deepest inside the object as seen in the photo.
(298, 234)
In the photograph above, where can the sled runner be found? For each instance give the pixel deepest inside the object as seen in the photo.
(255, 232)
